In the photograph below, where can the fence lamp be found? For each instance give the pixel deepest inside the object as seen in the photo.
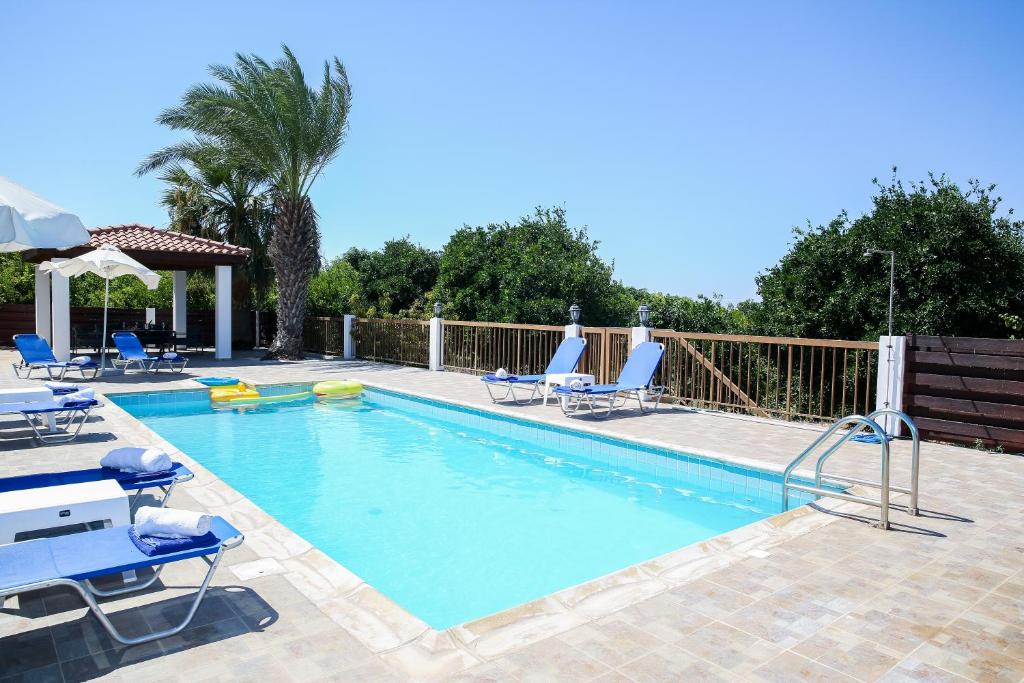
(437, 309)
(644, 313)
(574, 314)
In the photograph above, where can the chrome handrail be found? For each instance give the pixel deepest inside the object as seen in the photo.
(849, 420)
(915, 453)
(915, 467)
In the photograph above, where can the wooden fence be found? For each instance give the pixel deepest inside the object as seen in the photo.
(606, 352)
(784, 377)
(966, 390)
(406, 342)
(484, 347)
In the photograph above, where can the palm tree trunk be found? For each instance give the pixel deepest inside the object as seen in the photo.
(295, 252)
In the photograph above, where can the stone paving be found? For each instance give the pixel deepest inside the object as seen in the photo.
(815, 594)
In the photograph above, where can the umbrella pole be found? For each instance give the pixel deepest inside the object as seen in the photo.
(106, 303)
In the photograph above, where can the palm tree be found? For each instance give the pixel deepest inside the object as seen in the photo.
(264, 117)
(210, 198)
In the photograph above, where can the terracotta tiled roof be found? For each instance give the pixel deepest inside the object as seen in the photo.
(147, 238)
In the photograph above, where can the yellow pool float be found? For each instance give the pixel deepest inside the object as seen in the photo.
(233, 392)
(337, 389)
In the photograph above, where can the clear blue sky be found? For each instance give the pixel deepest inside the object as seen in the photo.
(690, 138)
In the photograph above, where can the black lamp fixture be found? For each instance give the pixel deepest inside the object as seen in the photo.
(644, 313)
(574, 314)
(437, 309)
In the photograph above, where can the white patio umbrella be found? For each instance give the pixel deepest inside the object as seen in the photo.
(108, 262)
(27, 221)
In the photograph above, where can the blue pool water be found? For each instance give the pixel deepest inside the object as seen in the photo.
(456, 514)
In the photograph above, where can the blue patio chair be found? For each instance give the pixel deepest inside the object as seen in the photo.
(130, 351)
(566, 357)
(636, 377)
(36, 354)
(75, 560)
(128, 481)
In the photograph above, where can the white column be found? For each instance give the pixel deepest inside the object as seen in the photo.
(891, 362)
(222, 313)
(639, 335)
(42, 301)
(574, 330)
(348, 343)
(179, 311)
(150, 316)
(436, 359)
(60, 294)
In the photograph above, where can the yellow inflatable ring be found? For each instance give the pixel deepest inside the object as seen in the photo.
(337, 388)
(233, 393)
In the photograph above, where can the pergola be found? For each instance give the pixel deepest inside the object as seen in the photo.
(155, 248)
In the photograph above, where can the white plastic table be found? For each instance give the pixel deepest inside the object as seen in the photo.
(55, 506)
(563, 379)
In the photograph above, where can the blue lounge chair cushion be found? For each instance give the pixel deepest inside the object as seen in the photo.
(87, 555)
(591, 389)
(129, 481)
(69, 405)
(154, 545)
(35, 350)
(514, 379)
(130, 348)
(636, 374)
(567, 356)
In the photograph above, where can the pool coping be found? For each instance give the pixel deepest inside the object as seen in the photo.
(416, 648)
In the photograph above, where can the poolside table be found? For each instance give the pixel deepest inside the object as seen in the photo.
(56, 506)
(563, 379)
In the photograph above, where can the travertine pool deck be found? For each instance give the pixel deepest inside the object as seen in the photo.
(812, 595)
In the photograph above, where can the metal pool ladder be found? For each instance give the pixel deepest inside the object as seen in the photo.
(856, 423)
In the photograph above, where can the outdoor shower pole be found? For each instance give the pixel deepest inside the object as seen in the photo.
(892, 288)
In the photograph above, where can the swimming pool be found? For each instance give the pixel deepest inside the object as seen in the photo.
(456, 513)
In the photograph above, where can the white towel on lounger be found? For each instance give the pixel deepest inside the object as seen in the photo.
(85, 394)
(169, 523)
(135, 459)
(501, 373)
(577, 385)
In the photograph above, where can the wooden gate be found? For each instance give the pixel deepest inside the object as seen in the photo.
(966, 390)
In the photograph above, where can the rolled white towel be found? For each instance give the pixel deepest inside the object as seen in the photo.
(577, 385)
(501, 373)
(168, 523)
(135, 459)
(85, 394)
(81, 360)
(171, 355)
(64, 386)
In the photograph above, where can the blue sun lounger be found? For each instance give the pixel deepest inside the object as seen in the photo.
(129, 481)
(36, 354)
(566, 357)
(129, 351)
(75, 559)
(636, 377)
(53, 421)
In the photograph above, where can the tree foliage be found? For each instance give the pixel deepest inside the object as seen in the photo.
(528, 272)
(959, 268)
(397, 279)
(265, 117)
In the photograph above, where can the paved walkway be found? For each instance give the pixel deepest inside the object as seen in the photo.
(808, 596)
